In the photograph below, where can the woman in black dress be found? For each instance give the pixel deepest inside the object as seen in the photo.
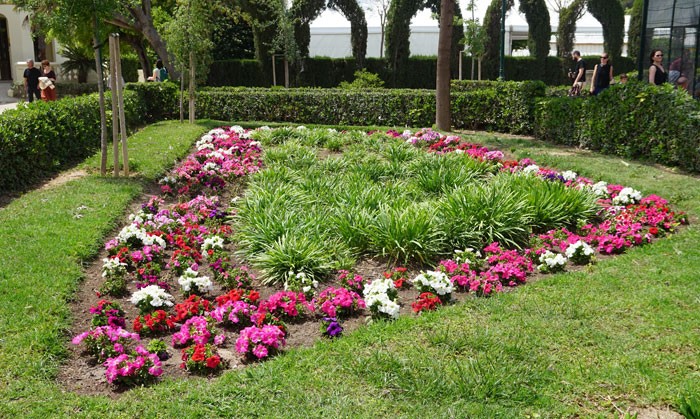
(657, 74)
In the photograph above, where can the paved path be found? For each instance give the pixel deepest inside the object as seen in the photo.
(6, 102)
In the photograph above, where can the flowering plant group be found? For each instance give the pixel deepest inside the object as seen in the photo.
(301, 282)
(192, 283)
(157, 322)
(552, 262)
(436, 282)
(287, 304)
(339, 302)
(399, 276)
(107, 313)
(106, 341)
(381, 297)
(194, 305)
(260, 342)
(150, 298)
(426, 301)
(351, 281)
(331, 327)
(133, 368)
(201, 358)
(197, 329)
(580, 253)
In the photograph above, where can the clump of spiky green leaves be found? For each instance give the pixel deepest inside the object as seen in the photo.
(312, 212)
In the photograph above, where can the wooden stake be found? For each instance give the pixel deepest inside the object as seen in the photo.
(120, 102)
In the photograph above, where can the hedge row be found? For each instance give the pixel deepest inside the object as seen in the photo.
(504, 107)
(40, 138)
(635, 120)
(329, 72)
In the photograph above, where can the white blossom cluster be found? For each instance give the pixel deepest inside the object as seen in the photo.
(212, 242)
(376, 295)
(532, 169)
(133, 231)
(579, 250)
(569, 175)
(434, 281)
(152, 295)
(190, 281)
(627, 196)
(113, 268)
(300, 282)
(551, 262)
(600, 189)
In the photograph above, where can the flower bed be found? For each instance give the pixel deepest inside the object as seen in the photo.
(186, 243)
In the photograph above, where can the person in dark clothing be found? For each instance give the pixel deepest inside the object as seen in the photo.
(657, 73)
(31, 81)
(579, 71)
(602, 75)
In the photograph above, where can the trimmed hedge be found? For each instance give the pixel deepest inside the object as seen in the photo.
(41, 138)
(329, 72)
(494, 106)
(159, 100)
(635, 120)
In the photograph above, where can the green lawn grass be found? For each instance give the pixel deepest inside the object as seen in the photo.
(620, 336)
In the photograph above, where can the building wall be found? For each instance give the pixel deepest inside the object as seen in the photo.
(21, 44)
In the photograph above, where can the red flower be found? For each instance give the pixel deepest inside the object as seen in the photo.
(654, 231)
(213, 361)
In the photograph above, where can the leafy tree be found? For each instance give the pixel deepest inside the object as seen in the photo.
(570, 11)
(189, 36)
(492, 25)
(474, 38)
(611, 16)
(635, 30)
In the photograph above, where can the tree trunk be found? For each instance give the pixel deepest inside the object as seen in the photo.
(442, 82)
(136, 43)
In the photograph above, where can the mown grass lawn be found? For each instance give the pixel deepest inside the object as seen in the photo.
(617, 337)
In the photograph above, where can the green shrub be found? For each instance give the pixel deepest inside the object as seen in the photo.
(41, 138)
(160, 100)
(634, 120)
(504, 107)
(363, 80)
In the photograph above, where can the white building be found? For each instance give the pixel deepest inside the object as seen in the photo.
(330, 35)
(16, 45)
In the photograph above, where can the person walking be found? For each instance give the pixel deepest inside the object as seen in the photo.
(657, 73)
(48, 88)
(31, 81)
(602, 74)
(579, 73)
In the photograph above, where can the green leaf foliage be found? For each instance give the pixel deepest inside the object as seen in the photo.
(634, 120)
(41, 138)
